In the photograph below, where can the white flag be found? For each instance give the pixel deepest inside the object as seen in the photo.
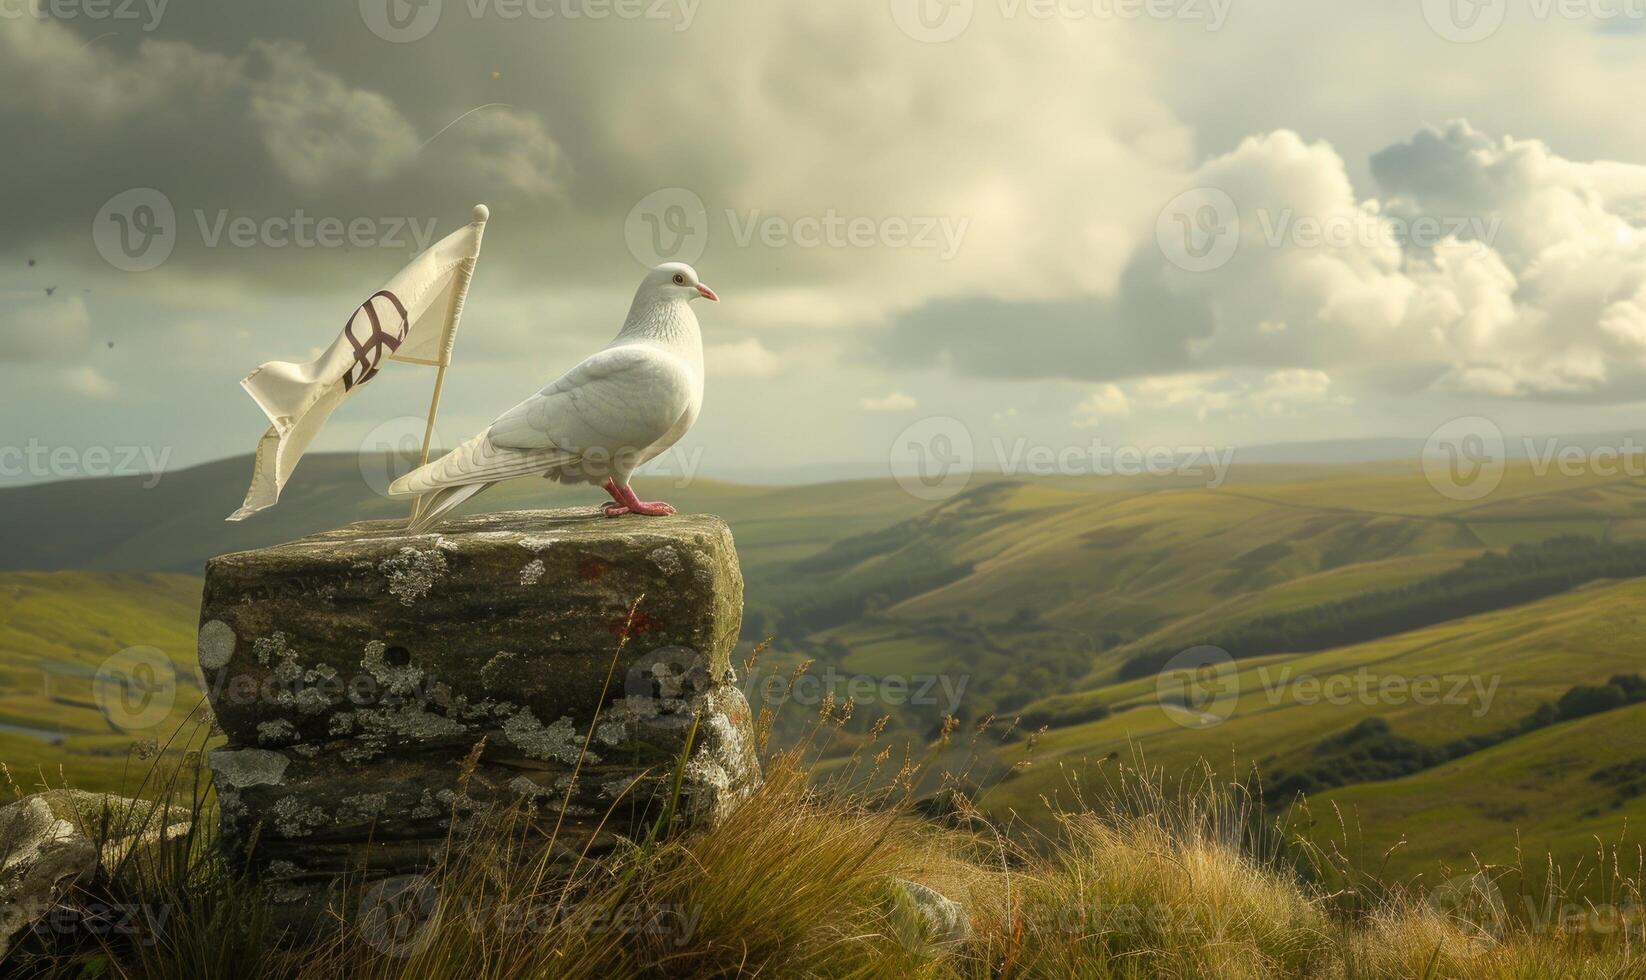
(412, 319)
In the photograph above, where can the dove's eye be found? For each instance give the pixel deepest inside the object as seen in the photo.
(679, 279)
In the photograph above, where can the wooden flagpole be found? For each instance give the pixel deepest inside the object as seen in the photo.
(481, 214)
(428, 433)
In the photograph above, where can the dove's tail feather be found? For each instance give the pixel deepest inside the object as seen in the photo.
(441, 503)
(478, 461)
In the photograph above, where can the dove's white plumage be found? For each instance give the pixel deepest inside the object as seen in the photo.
(598, 422)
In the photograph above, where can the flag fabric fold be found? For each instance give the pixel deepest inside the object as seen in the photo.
(412, 319)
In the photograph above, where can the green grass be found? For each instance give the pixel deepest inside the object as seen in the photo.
(1535, 794)
(1502, 534)
(1521, 656)
(57, 629)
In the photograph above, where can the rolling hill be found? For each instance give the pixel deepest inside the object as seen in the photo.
(1022, 597)
(57, 629)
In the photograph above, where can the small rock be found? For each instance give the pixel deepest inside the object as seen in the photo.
(46, 843)
(939, 921)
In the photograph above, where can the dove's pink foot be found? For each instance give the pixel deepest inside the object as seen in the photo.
(625, 502)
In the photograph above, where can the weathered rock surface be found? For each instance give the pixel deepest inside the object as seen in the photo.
(354, 671)
(935, 922)
(50, 840)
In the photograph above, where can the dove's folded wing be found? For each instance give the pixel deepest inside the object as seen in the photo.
(478, 461)
(619, 401)
(622, 399)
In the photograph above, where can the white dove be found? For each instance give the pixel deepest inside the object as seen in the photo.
(599, 421)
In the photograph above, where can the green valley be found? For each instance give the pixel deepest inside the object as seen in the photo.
(1056, 602)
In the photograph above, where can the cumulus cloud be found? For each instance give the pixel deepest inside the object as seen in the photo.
(87, 382)
(1492, 263)
(1212, 394)
(319, 130)
(54, 337)
(49, 330)
(504, 148)
(1284, 392)
(1103, 402)
(745, 359)
(895, 401)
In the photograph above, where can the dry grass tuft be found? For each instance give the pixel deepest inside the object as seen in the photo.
(803, 879)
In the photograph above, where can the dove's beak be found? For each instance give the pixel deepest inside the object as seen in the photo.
(707, 293)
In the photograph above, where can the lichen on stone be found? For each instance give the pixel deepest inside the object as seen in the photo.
(496, 671)
(294, 818)
(310, 701)
(425, 808)
(341, 723)
(463, 811)
(398, 680)
(363, 750)
(617, 787)
(287, 671)
(722, 765)
(216, 645)
(407, 721)
(267, 647)
(612, 731)
(634, 707)
(532, 573)
(363, 808)
(276, 732)
(486, 709)
(537, 741)
(526, 787)
(666, 559)
(240, 768)
(413, 573)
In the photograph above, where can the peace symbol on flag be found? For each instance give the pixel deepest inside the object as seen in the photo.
(368, 353)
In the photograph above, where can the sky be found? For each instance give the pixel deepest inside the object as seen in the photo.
(1028, 223)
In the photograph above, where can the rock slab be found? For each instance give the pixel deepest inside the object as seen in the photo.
(50, 840)
(356, 671)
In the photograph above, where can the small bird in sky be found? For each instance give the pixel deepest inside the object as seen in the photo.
(597, 423)
(31, 263)
(50, 290)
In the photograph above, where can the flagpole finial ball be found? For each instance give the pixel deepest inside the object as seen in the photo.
(481, 213)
